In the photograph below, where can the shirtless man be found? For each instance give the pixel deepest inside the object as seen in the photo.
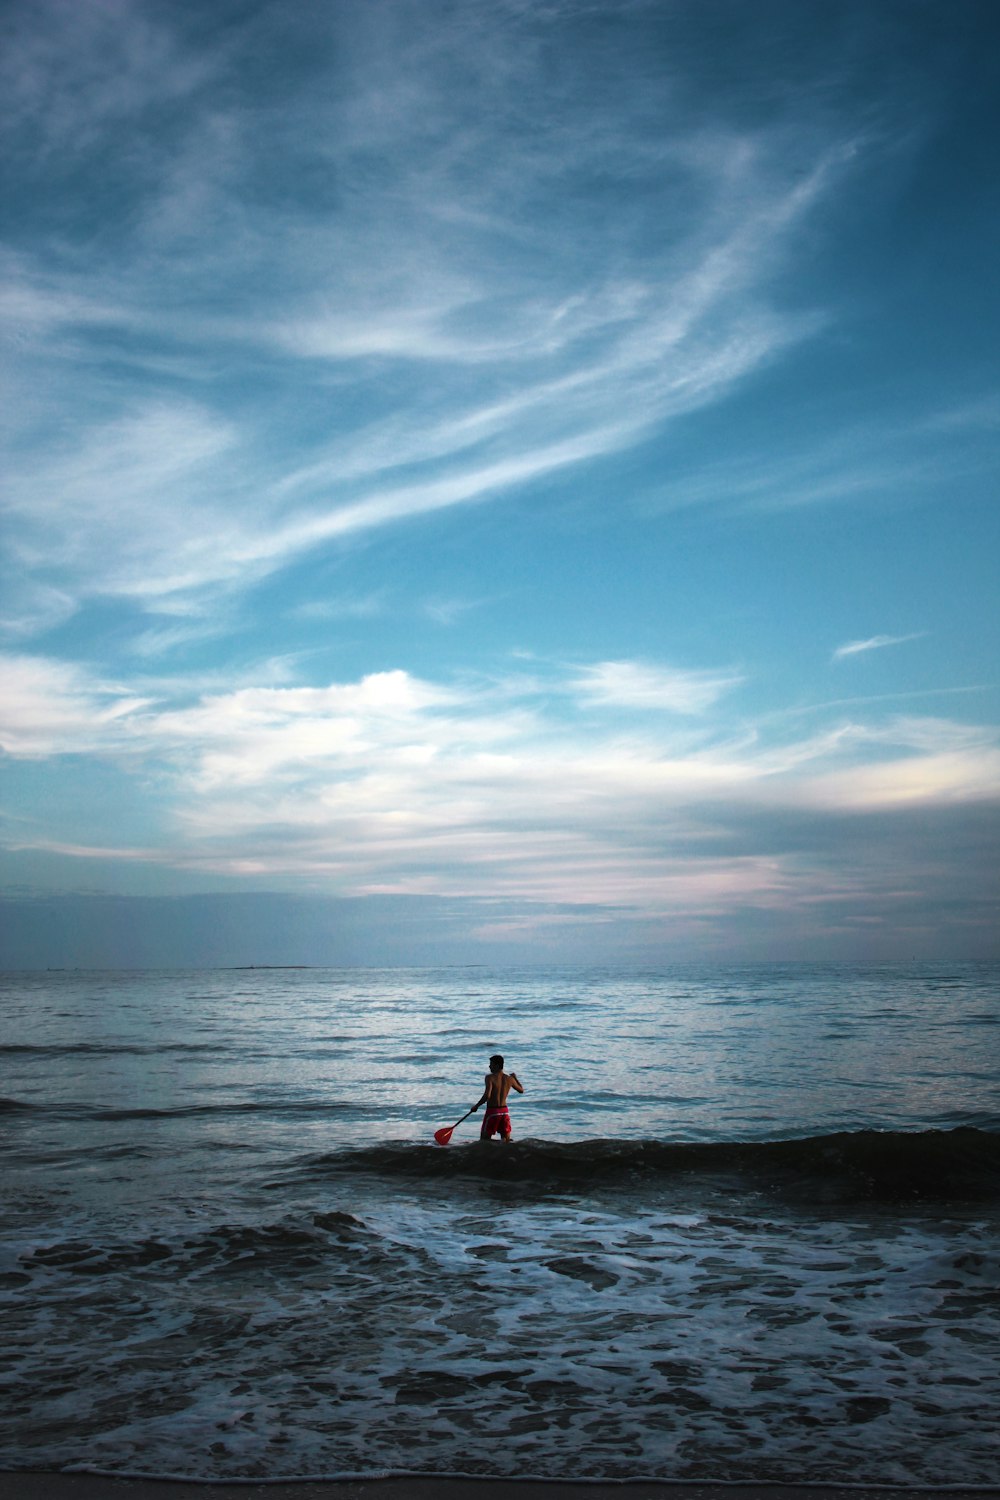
(496, 1121)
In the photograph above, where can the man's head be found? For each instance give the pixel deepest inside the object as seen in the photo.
(496, 1063)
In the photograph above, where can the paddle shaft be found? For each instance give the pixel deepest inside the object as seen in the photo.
(443, 1136)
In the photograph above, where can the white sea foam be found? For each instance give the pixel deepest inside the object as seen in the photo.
(560, 1338)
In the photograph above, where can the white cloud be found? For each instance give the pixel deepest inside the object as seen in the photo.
(30, 607)
(135, 505)
(875, 459)
(874, 643)
(57, 708)
(625, 684)
(341, 607)
(71, 72)
(449, 611)
(537, 350)
(117, 473)
(393, 783)
(982, 411)
(920, 780)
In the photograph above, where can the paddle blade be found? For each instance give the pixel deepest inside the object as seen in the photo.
(443, 1136)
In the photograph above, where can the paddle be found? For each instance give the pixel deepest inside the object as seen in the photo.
(443, 1136)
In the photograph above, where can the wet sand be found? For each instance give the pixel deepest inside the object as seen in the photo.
(36, 1485)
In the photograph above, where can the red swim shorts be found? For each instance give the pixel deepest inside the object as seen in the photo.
(496, 1122)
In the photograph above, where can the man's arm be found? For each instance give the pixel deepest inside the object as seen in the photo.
(516, 1082)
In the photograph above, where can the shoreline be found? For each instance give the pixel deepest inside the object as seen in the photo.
(41, 1484)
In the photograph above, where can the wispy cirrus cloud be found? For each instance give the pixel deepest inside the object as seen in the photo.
(865, 460)
(627, 684)
(874, 643)
(59, 708)
(69, 74)
(485, 349)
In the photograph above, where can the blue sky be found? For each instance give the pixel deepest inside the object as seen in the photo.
(499, 481)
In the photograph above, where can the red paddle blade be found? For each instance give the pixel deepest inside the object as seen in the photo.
(443, 1136)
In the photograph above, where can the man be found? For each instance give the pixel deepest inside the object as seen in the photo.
(496, 1121)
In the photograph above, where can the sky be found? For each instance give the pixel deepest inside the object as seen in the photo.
(499, 481)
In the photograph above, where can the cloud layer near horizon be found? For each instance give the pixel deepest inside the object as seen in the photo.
(646, 800)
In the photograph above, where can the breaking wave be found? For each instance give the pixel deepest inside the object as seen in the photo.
(888, 1166)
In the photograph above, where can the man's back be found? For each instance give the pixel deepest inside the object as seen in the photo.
(498, 1086)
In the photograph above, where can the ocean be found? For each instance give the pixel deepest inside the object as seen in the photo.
(747, 1228)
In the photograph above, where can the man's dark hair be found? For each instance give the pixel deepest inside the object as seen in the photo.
(496, 1063)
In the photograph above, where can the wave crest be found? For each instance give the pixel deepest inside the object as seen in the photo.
(872, 1165)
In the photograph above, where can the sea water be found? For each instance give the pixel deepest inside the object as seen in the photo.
(747, 1228)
